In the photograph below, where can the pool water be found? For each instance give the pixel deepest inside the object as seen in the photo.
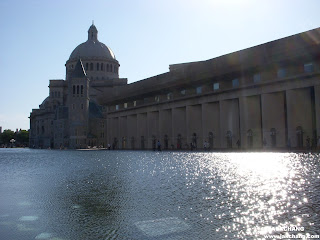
(67, 195)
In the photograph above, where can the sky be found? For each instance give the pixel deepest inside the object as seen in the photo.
(38, 36)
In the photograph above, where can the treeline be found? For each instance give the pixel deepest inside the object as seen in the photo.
(19, 138)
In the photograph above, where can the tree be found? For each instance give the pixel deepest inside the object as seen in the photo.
(22, 137)
(6, 136)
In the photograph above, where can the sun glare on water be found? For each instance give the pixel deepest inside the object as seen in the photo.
(262, 183)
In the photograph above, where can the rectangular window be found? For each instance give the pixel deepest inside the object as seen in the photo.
(73, 106)
(183, 92)
(125, 105)
(216, 86)
(134, 103)
(256, 78)
(281, 73)
(235, 82)
(199, 90)
(117, 107)
(157, 99)
(308, 67)
(169, 96)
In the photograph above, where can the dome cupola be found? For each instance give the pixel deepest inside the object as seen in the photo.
(93, 33)
(99, 61)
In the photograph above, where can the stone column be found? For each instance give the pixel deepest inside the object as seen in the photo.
(142, 129)
(179, 125)
(194, 125)
(250, 121)
(211, 123)
(132, 137)
(229, 121)
(153, 127)
(114, 131)
(243, 112)
(273, 117)
(299, 114)
(123, 139)
(165, 127)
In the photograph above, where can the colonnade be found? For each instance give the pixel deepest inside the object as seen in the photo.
(271, 120)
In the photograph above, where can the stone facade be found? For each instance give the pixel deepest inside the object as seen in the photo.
(71, 116)
(266, 96)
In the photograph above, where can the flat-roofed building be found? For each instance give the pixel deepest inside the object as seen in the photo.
(264, 96)
(267, 96)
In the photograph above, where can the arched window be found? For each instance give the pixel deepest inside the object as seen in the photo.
(91, 66)
(77, 89)
(110, 68)
(101, 66)
(81, 89)
(107, 67)
(98, 67)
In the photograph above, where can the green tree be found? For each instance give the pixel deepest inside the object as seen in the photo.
(7, 135)
(23, 137)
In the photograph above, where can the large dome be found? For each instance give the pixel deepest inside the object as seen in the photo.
(92, 48)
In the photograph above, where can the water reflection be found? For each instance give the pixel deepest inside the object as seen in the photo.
(152, 195)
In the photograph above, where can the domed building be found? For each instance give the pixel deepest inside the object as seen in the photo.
(267, 96)
(71, 115)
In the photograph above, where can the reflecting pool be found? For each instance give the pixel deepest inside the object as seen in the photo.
(68, 195)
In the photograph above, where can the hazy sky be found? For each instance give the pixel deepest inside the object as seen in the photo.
(38, 36)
